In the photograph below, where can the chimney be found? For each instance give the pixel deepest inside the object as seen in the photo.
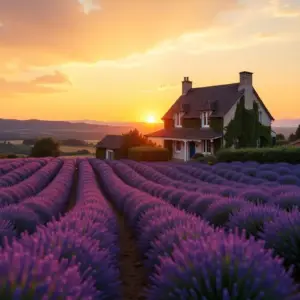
(245, 80)
(246, 86)
(186, 85)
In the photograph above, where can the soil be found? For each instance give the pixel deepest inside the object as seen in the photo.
(73, 193)
(133, 275)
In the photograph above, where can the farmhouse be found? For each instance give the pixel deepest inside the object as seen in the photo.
(109, 147)
(196, 122)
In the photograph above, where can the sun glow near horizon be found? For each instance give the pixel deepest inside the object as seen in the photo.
(151, 119)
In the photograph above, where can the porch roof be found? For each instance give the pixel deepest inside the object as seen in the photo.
(186, 133)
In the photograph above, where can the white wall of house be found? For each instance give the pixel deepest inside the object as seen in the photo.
(179, 154)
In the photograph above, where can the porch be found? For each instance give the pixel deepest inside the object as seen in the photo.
(184, 150)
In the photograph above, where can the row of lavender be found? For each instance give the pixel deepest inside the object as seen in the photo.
(253, 172)
(71, 257)
(36, 200)
(192, 179)
(186, 257)
(278, 228)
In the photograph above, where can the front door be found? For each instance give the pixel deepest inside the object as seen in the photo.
(192, 149)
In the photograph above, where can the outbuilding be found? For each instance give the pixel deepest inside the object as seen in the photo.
(109, 147)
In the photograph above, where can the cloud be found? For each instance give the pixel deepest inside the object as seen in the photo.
(55, 78)
(9, 88)
(43, 32)
(286, 8)
(161, 88)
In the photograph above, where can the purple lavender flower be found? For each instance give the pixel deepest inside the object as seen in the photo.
(24, 219)
(165, 242)
(25, 276)
(289, 179)
(218, 213)
(283, 236)
(268, 175)
(85, 251)
(252, 219)
(219, 267)
(287, 201)
(7, 231)
(255, 196)
(201, 204)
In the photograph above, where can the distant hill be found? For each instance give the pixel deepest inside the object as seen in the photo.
(11, 129)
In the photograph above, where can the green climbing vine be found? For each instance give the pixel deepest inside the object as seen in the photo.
(244, 130)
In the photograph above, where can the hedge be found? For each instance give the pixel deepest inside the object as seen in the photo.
(148, 154)
(261, 155)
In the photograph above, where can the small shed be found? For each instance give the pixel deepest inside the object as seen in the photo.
(109, 147)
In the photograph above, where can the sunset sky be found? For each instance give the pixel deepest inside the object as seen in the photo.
(123, 60)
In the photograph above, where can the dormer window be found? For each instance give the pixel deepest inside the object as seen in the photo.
(205, 119)
(178, 118)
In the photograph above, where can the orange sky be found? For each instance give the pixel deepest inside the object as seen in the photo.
(122, 60)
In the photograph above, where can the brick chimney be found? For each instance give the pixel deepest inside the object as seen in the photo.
(186, 85)
(245, 79)
(246, 85)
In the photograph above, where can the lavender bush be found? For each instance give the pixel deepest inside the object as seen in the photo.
(221, 267)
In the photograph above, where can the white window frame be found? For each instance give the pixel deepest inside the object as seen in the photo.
(175, 146)
(108, 153)
(205, 144)
(177, 120)
(260, 116)
(205, 119)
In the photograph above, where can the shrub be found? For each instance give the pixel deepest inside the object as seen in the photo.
(252, 219)
(148, 154)
(262, 155)
(45, 147)
(255, 196)
(221, 267)
(218, 213)
(283, 236)
(289, 179)
(268, 175)
(287, 201)
(208, 159)
(197, 156)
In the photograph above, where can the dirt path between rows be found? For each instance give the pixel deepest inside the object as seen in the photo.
(73, 193)
(132, 272)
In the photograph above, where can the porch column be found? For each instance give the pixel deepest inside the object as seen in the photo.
(212, 146)
(185, 151)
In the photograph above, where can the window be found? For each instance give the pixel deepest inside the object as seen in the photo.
(178, 120)
(260, 116)
(177, 146)
(206, 146)
(204, 119)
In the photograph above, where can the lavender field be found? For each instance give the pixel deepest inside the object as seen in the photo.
(109, 230)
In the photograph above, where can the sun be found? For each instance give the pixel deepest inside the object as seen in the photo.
(150, 119)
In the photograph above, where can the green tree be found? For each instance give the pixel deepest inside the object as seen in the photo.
(295, 136)
(280, 137)
(45, 147)
(134, 139)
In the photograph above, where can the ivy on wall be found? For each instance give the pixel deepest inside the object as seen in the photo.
(244, 130)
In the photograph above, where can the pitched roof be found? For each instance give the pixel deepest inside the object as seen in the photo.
(111, 142)
(186, 133)
(218, 98)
